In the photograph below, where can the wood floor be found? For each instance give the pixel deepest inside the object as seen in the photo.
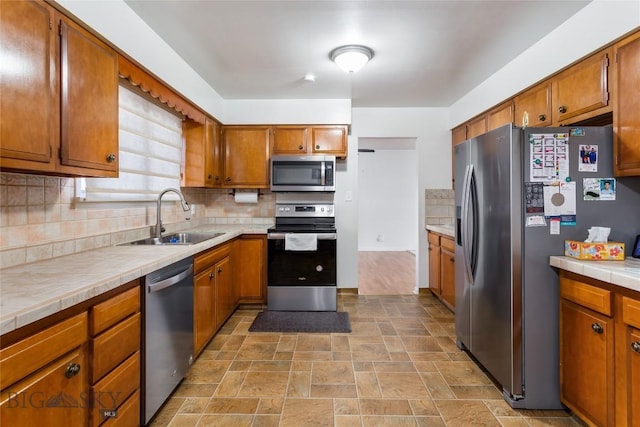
(386, 272)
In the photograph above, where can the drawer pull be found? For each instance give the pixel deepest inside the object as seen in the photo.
(635, 346)
(72, 370)
(597, 328)
(111, 158)
(542, 117)
(300, 147)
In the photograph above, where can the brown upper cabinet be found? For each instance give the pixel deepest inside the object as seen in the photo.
(290, 140)
(626, 117)
(459, 134)
(533, 106)
(602, 88)
(62, 118)
(329, 140)
(500, 116)
(304, 140)
(477, 126)
(582, 90)
(202, 149)
(246, 153)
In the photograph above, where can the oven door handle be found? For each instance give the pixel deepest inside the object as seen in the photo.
(319, 236)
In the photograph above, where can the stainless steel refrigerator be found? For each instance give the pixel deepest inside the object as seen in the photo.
(506, 292)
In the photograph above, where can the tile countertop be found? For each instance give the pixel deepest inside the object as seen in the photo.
(447, 230)
(36, 290)
(625, 274)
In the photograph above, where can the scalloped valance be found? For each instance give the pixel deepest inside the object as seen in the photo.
(158, 90)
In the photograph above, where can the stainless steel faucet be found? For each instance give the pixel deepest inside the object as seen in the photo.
(185, 207)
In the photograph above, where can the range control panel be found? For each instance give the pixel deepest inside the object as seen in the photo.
(297, 210)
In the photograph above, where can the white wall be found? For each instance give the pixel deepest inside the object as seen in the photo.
(597, 24)
(388, 201)
(429, 127)
(116, 22)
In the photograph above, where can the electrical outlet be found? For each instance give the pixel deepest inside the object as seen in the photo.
(348, 195)
(193, 209)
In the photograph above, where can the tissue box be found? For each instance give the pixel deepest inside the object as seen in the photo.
(610, 251)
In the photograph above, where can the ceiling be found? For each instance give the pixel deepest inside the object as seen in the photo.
(427, 53)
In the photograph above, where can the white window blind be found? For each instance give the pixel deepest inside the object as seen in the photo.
(150, 154)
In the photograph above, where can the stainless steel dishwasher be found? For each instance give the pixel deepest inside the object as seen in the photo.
(168, 332)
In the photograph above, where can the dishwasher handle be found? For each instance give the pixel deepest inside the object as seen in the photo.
(170, 281)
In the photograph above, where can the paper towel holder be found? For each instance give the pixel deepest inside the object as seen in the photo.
(232, 192)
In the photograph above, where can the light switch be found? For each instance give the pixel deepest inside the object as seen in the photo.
(348, 195)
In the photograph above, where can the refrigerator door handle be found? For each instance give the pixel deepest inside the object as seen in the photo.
(466, 241)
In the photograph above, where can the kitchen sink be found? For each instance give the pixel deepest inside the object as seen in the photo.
(184, 238)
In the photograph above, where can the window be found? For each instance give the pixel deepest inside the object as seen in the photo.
(150, 154)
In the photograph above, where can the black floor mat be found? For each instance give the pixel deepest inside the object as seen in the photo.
(301, 321)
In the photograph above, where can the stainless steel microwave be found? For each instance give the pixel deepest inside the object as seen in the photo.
(303, 173)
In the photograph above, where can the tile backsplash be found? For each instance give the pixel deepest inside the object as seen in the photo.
(439, 206)
(40, 219)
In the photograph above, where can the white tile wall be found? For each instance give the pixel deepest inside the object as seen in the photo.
(439, 206)
(39, 218)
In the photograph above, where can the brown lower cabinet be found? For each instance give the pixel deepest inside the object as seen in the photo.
(225, 276)
(599, 351)
(81, 367)
(78, 369)
(115, 329)
(211, 298)
(250, 267)
(442, 268)
(44, 377)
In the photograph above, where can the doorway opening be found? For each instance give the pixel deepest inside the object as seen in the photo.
(387, 216)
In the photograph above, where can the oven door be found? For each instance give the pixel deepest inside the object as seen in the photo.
(302, 280)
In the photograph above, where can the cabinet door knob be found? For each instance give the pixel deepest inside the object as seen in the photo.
(219, 270)
(635, 346)
(597, 328)
(542, 117)
(227, 179)
(72, 370)
(300, 147)
(317, 147)
(452, 259)
(209, 176)
(111, 158)
(217, 177)
(211, 275)
(562, 109)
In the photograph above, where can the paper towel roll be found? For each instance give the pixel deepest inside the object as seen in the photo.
(246, 197)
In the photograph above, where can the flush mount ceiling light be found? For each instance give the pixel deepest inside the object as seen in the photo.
(351, 58)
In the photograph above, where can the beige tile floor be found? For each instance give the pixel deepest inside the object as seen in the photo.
(399, 367)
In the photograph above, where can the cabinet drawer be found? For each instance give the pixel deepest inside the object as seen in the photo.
(108, 313)
(111, 391)
(49, 397)
(434, 239)
(209, 258)
(115, 345)
(447, 244)
(128, 413)
(589, 296)
(30, 354)
(631, 312)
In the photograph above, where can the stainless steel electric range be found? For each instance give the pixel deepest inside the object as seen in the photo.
(302, 258)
